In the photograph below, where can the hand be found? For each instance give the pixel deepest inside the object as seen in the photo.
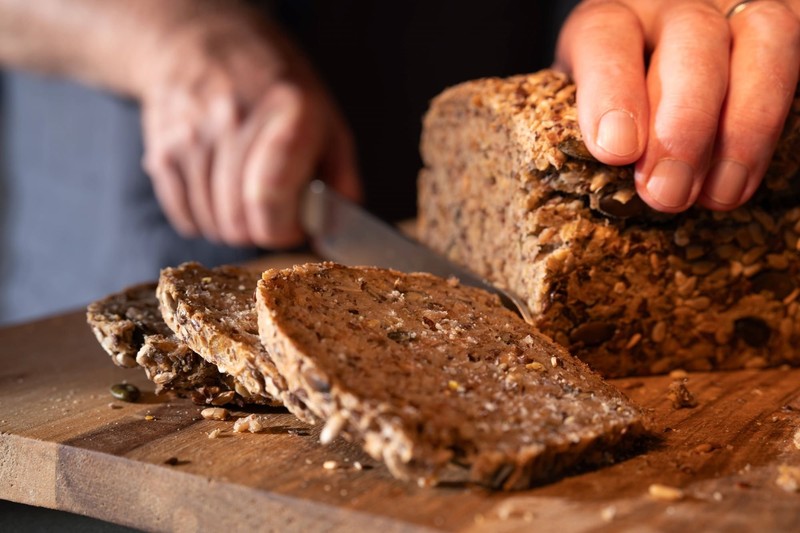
(235, 124)
(701, 121)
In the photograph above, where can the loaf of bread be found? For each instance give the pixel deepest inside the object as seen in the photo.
(428, 373)
(213, 311)
(129, 326)
(509, 191)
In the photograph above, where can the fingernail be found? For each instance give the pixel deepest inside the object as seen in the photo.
(616, 133)
(671, 182)
(726, 182)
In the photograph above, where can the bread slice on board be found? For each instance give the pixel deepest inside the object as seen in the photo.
(129, 326)
(426, 372)
(213, 311)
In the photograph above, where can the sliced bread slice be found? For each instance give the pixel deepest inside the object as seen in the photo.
(213, 311)
(426, 372)
(129, 327)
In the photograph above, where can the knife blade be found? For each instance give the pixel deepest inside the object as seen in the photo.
(341, 231)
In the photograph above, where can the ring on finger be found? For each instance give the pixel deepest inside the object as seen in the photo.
(738, 7)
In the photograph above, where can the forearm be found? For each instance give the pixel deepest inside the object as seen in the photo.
(107, 43)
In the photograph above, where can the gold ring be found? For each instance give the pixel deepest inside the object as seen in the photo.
(738, 7)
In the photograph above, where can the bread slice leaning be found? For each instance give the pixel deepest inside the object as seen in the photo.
(129, 327)
(426, 372)
(213, 311)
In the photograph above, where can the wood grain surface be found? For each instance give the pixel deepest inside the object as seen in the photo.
(66, 444)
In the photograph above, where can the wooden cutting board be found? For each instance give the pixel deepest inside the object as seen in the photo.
(66, 444)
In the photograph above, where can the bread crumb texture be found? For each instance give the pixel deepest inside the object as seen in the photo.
(130, 328)
(658, 491)
(426, 372)
(213, 311)
(788, 478)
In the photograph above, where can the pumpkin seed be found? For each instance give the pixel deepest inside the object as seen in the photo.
(125, 392)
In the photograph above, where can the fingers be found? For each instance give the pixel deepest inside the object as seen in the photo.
(763, 74)
(279, 163)
(301, 137)
(602, 47)
(197, 169)
(179, 160)
(687, 82)
(226, 187)
(243, 126)
(171, 193)
(717, 93)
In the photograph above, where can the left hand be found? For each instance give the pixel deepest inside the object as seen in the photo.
(702, 119)
(235, 124)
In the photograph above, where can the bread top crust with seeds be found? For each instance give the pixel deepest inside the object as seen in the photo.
(427, 372)
(628, 290)
(213, 311)
(537, 113)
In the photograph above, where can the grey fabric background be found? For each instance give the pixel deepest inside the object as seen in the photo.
(79, 218)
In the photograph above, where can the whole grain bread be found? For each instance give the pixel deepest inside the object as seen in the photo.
(427, 373)
(213, 311)
(129, 326)
(509, 191)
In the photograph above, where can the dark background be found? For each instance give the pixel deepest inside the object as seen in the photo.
(384, 61)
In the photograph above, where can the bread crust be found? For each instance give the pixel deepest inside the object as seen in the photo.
(129, 327)
(213, 311)
(427, 373)
(508, 191)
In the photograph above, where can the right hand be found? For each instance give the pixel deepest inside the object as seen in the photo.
(235, 124)
(695, 98)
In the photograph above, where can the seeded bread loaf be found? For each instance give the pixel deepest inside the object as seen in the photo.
(128, 325)
(426, 372)
(213, 312)
(509, 191)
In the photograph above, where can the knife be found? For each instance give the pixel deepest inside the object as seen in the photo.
(343, 232)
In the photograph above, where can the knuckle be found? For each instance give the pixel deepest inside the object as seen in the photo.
(774, 18)
(686, 128)
(749, 123)
(285, 134)
(608, 7)
(701, 17)
(255, 198)
(187, 134)
(595, 14)
(255, 194)
(695, 12)
(155, 162)
(175, 137)
(258, 196)
(689, 117)
(224, 113)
